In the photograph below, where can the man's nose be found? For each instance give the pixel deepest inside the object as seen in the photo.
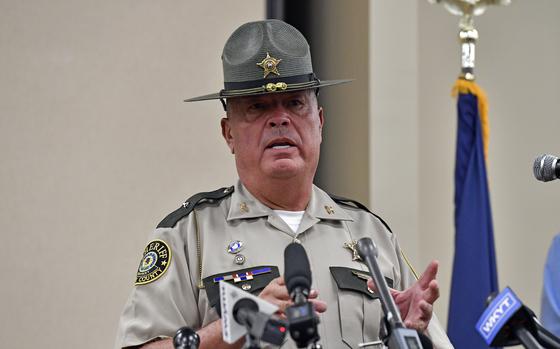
(279, 117)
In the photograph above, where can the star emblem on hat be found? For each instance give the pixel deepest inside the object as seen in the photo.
(269, 64)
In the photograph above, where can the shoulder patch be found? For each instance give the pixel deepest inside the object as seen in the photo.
(171, 220)
(353, 203)
(155, 262)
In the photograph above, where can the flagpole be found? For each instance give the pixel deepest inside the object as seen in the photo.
(474, 275)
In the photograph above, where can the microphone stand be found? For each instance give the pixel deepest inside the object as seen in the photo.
(400, 337)
(252, 341)
(527, 339)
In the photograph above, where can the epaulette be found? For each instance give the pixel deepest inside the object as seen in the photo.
(356, 204)
(190, 204)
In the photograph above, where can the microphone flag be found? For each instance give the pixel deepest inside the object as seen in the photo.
(474, 264)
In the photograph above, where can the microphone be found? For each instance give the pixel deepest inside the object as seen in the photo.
(399, 335)
(186, 338)
(249, 315)
(301, 315)
(297, 272)
(546, 168)
(259, 326)
(503, 318)
(506, 322)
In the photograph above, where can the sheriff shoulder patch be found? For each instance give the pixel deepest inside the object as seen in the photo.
(154, 263)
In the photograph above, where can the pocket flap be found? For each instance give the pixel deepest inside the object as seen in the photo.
(251, 280)
(355, 280)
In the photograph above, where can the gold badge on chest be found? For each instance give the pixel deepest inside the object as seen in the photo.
(352, 247)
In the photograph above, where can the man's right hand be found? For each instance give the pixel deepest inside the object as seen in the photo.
(211, 335)
(277, 293)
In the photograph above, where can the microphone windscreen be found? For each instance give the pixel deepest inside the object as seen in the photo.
(544, 167)
(297, 272)
(366, 247)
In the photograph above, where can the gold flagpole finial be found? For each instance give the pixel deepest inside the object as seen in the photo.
(468, 35)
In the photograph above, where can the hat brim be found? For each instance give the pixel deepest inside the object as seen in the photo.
(220, 95)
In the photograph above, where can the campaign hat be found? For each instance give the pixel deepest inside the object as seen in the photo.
(268, 56)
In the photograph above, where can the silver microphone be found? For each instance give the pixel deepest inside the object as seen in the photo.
(545, 168)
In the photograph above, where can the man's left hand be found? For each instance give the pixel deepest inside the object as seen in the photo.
(416, 302)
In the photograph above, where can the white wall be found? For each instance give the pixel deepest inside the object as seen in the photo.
(97, 147)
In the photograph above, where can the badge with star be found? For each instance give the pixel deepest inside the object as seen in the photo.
(270, 65)
(155, 262)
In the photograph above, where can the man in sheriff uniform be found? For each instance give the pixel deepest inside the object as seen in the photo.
(238, 234)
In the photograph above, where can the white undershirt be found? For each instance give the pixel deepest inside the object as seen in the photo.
(292, 218)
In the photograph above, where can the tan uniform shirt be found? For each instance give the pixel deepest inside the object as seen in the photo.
(199, 244)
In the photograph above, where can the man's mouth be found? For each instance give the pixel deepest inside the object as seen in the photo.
(280, 144)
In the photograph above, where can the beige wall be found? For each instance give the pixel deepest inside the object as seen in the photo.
(97, 147)
(340, 51)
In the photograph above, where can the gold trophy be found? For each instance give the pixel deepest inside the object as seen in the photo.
(468, 35)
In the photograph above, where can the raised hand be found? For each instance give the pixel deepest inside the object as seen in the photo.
(416, 302)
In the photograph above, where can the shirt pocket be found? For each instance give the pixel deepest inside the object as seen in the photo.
(359, 308)
(252, 280)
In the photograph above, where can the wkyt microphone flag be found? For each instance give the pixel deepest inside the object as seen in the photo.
(474, 265)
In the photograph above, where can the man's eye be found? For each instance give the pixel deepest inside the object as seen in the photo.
(256, 106)
(296, 102)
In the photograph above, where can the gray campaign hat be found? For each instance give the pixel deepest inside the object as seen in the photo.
(267, 56)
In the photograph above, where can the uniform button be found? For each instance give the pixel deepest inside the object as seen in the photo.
(239, 259)
(245, 287)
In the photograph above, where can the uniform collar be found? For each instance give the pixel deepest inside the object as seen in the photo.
(322, 206)
(244, 206)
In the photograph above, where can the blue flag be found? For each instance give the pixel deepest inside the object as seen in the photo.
(474, 265)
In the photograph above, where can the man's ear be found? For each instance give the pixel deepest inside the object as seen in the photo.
(321, 121)
(226, 133)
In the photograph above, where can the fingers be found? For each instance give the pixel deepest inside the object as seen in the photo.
(429, 274)
(427, 311)
(420, 318)
(319, 305)
(371, 285)
(313, 294)
(277, 289)
(432, 293)
(282, 305)
(277, 293)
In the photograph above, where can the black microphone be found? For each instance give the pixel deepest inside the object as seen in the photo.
(399, 335)
(297, 272)
(546, 168)
(259, 325)
(186, 338)
(301, 315)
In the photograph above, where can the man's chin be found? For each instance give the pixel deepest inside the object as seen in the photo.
(284, 169)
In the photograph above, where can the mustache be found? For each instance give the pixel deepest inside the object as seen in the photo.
(281, 133)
